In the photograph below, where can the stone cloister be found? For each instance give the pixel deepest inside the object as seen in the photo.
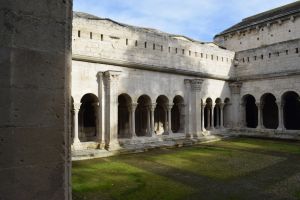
(281, 113)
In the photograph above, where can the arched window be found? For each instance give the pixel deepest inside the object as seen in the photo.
(124, 103)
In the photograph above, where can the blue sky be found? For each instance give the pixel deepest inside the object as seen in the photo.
(198, 19)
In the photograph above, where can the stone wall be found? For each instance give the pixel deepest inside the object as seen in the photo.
(35, 55)
(271, 60)
(110, 42)
(260, 35)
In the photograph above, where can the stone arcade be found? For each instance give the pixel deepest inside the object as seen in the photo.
(135, 88)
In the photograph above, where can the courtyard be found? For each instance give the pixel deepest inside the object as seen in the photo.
(233, 169)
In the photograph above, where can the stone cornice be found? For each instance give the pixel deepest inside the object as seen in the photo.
(268, 75)
(144, 66)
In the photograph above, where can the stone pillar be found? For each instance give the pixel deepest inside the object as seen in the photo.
(196, 85)
(96, 109)
(35, 62)
(280, 106)
(259, 116)
(202, 118)
(149, 132)
(188, 109)
(166, 121)
(101, 109)
(182, 116)
(111, 79)
(152, 108)
(76, 141)
(212, 116)
(218, 117)
(243, 121)
(222, 116)
(208, 117)
(169, 119)
(132, 111)
(236, 111)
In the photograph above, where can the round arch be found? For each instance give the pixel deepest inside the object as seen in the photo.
(269, 111)
(124, 104)
(291, 110)
(251, 111)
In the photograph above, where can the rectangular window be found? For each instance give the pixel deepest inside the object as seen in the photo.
(270, 55)
(136, 43)
(255, 57)
(297, 50)
(190, 53)
(101, 37)
(243, 60)
(175, 50)
(201, 55)
(212, 57)
(182, 51)
(126, 41)
(248, 59)
(161, 48)
(217, 57)
(262, 57)
(145, 44)
(287, 52)
(169, 49)
(153, 46)
(78, 33)
(91, 35)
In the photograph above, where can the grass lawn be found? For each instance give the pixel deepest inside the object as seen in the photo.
(235, 169)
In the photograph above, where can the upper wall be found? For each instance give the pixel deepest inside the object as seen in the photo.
(273, 60)
(105, 41)
(274, 26)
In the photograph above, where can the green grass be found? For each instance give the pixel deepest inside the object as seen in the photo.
(234, 169)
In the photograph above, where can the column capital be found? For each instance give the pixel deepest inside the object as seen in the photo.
(77, 107)
(133, 106)
(99, 76)
(152, 106)
(203, 105)
(280, 103)
(259, 105)
(235, 87)
(196, 84)
(170, 106)
(111, 75)
(221, 105)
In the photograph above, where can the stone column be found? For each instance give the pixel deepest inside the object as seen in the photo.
(280, 106)
(101, 109)
(242, 121)
(96, 109)
(218, 117)
(169, 119)
(35, 85)
(202, 117)
(132, 114)
(76, 141)
(222, 116)
(196, 85)
(259, 119)
(166, 121)
(236, 111)
(111, 79)
(212, 116)
(208, 117)
(152, 108)
(188, 109)
(149, 132)
(182, 116)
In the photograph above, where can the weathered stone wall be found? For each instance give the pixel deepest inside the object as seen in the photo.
(271, 60)
(35, 49)
(111, 42)
(260, 35)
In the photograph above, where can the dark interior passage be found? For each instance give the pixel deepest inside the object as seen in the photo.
(251, 111)
(291, 111)
(270, 111)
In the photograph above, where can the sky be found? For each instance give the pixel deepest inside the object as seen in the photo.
(197, 19)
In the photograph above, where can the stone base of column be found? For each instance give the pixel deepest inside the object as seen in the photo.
(198, 135)
(101, 145)
(76, 145)
(113, 146)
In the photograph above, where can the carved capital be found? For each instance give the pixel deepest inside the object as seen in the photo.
(133, 107)
(153, 106)
(196, 84)
(170, 106)
(111, 75)
(77, 107)
(203, 105)
(222, 105)
(235, 87)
